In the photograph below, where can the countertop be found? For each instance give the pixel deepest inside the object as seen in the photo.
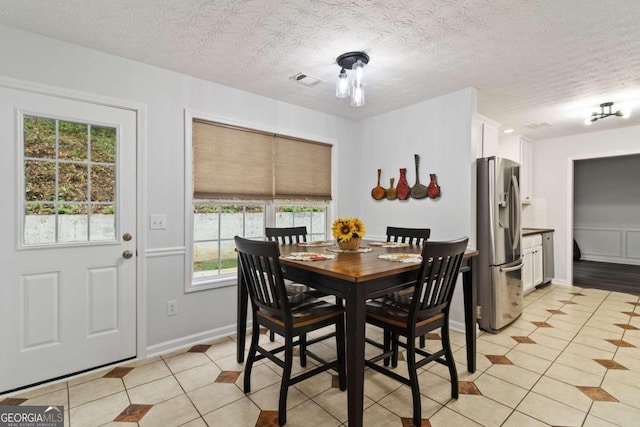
(532, 231)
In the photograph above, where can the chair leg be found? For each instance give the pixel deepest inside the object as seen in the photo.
(387, 346)
(451, 364)
(251, 357)
(396, 349)
(423, 341)
(413, 378)
(340, 347)
(272, 336)
(303, 350)
(286, 378)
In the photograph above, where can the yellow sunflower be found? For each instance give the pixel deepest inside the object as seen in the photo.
(344, 229)
(358, 227)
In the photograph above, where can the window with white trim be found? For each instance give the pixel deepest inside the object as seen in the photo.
(244, 181)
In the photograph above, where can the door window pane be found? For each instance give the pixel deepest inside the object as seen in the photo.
(103, 144)
(40, 180)
(69, 196)
(39, 137)
(72, 141)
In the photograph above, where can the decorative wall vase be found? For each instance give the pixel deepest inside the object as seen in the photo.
(402, 189)
(418, 191)
(378, 192)
(390, 193)
(433, 191)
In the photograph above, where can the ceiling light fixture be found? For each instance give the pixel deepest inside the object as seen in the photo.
(345, 86)
(602, 114)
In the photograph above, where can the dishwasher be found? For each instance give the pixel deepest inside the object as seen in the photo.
(547, 260)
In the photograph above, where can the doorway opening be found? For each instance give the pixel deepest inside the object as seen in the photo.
(606, 223)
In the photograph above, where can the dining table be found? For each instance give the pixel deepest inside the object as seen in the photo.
(356, 276)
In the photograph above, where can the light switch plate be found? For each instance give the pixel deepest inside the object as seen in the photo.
(157, 222)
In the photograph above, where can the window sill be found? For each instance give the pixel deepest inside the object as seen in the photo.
(204, 284)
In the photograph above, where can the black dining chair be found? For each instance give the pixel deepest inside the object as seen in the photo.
(291, 236)
(411, 316)
(286, 235)
(412, 236)
(273, 308)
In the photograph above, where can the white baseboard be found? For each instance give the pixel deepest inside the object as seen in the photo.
(191, 340)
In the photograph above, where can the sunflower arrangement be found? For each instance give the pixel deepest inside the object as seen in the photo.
(344, 229)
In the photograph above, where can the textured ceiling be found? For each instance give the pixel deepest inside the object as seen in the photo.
(532, 61)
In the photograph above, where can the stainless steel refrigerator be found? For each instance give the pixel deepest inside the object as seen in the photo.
(499, 243)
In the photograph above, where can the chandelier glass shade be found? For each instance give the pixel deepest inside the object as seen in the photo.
(352, 85)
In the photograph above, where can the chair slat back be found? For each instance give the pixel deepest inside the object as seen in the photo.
(286, 235)
(260, 263)
(412, 236)
(437, 278)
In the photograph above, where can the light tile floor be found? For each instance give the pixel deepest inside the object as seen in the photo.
(572, 359)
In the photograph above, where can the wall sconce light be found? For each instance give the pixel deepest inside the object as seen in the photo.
(602, 114)
(354, 61)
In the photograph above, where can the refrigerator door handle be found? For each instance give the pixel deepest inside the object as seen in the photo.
(514, 268)
(515, 208)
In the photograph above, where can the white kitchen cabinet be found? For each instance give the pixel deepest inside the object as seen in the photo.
(532, 262)
(486, 136)
(520, 150)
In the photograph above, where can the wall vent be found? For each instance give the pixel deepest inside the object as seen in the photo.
(539, 125)
(305, 79)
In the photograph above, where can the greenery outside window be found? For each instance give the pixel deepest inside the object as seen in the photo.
(215, 223)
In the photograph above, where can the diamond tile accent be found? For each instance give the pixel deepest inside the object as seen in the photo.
(610, 364)
(567, 302)
(499, 360)
(263, 331)
(556, 312)
(524, 340)
(119, 372)
(296, 352)
(468, 387)
(401, 356)
(408, 422)
(634, 303)
(621, 343)
(542, 324)
(432, 336)
(133, 413)
(228, 377)
(627, 327)
(630, 313)
(12, 401)
(596, 393)
(200, 348)
(578, 294)
(335, 381)
(267, 419)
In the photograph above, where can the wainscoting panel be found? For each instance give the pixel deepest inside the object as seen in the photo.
(614, 244)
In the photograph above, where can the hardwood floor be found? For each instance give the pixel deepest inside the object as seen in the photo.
(607, 276)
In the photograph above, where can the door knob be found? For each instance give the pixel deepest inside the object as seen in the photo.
(126, 237)
(127, 254)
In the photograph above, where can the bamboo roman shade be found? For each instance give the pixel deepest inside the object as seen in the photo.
(237, 163)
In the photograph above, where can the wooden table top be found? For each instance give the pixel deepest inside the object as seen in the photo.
(355, 267)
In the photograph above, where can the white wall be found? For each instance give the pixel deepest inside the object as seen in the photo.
(439, 130)
(553, 179)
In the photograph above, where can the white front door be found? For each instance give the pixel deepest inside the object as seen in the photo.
(67, 236)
